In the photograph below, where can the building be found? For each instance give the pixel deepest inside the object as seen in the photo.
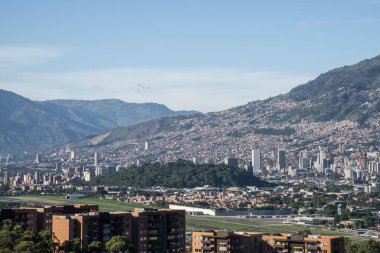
(93, 226)
(158, 230)
(87, 176)
(302, 244)
(38, 158)
(44, 221)
(26, 218)
(281, 159)
(256, 160)
(37, 177)
(72, 155)
(231, 162)
(220, 241)
(5, 178)
(95, 160)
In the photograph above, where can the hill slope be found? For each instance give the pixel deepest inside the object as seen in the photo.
(180, 174)
(27, 125)
(342, 105)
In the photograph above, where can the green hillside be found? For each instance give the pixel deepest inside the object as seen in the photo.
(179, 174)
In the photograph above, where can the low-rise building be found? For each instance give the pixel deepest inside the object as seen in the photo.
(302, 244)
(219, 241)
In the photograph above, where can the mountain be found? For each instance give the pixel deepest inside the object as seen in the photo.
(27, 125)
(342, 105)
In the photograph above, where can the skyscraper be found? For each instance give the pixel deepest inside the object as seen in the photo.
(95, 159)
(37, 177)
(256, 160)
(72, 155)
(5, 178)
(281, 159)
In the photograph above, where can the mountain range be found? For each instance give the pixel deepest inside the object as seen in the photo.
(27, 125)
(339, 106)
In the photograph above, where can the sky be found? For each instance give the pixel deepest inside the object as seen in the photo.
(205, 55)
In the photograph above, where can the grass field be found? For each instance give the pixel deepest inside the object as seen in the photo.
(193, 223)
(104, 204)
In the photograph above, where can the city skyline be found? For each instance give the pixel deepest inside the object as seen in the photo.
(178, 54)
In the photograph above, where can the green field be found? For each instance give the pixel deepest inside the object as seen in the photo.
(104, 204)
(193, 223)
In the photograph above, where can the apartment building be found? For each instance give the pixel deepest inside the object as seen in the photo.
(220, 241)
(26, 218)
(93, 226)
(45, 213)
(157, 231)
(300, 244)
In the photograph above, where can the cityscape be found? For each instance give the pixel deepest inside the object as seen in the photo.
(189, 127)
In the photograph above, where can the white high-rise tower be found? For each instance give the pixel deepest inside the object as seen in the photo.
(256, 160)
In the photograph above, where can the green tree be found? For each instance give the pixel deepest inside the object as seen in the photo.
(71, 246)
(95, 247)
(369, 246)
(118, 244)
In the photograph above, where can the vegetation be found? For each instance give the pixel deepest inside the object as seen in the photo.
(14, 240)
(365, 246)
(179, 174)
(118, 244)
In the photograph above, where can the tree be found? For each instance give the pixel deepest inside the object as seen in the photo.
(95, 247)
(71, 246)
(118, 244)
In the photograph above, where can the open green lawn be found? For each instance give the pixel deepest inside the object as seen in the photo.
(104, 204)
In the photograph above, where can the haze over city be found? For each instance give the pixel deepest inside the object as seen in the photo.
(198, 55)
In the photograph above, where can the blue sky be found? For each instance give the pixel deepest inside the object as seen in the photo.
(206, 55)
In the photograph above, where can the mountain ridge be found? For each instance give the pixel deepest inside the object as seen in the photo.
(336, 107)
(27, 125)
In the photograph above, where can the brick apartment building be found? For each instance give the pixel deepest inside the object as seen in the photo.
(149, 230)
(301, 244)
(219, 241)
(44, 220)
(93, 226)
(157, 231)
(26, 218)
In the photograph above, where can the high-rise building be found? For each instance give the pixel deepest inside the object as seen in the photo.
(94, 226)
(249, 167)
(5, 178)
(281, 158)
(302, 244)
(37, 177)
(256, 160)
(95, 159)
(72, 155)
(38, 158)
(158, 230)
(217, 241)
(231, 162)
(146, 146)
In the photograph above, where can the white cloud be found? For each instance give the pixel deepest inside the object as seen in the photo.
(199, 89)
(11, 55)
